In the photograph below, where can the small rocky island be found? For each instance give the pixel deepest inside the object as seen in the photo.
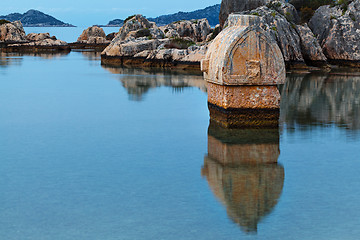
(14, 39)
(35, 18)
(92, 38)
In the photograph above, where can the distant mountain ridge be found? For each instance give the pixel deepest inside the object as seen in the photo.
(35, 18)
(113, 23)
(210, 13)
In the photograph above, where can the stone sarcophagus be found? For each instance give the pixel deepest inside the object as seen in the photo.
(243, 67)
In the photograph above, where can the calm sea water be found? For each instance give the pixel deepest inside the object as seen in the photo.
(93, 152)
(69, 34)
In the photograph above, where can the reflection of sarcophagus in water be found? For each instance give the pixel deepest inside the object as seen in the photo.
(243, 67)
(242, 171)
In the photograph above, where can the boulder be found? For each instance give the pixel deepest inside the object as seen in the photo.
(12, 32)
(193, 54)
(296, 42)
(197, 30)
(232, 6)
(140, 42)
(138, 26)
(152, 53)
(13, 38)
(39, 36)
(310, 47)
(93, 35)
(49, 42)
(132, 46)
(48, 45)
(338, 31)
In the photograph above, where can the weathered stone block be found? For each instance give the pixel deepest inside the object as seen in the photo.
(256, 97)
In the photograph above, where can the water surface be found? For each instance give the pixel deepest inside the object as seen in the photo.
(97, 152)
(68, 34)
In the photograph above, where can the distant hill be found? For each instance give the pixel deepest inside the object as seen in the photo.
(211, 13)
(34, 18)
(113, 23)
(116, 22)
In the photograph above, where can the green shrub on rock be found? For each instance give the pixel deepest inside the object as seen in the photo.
(179, 43)
(3, 21)
(143, 33)
(128, 18)
(307, 8)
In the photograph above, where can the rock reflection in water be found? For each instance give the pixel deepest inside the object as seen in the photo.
(91, 55)
(138, 82)
(47, 56)
(7, 59)
(242, 171)
(315, 99)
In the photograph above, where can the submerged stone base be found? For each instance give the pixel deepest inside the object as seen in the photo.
(244, 117)
(243, 97)
(244, 106)
(147, 63)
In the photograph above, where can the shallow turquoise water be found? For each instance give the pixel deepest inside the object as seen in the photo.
(92, 152)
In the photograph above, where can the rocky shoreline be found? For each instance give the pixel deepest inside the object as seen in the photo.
(149, 63)
(331, 37)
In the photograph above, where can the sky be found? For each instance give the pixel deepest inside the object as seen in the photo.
(87, 13)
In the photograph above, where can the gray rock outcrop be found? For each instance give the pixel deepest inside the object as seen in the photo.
(12, 32)
(310, 47)
(39, 36)
(338, 31)
(49, 42)
(139, 26)
(14, 39)
(197, 29)
(232, 6)
(192, 54)
(297, 43)
(42, 39)
(132, 46)
(93, 35)
(143, 43)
